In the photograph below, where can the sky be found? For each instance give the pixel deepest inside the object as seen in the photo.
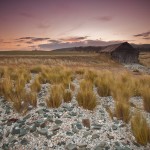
(53, 24)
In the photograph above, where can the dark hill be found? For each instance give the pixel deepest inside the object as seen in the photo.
(81, 49)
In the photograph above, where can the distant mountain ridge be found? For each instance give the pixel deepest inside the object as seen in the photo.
(142, 47)
(81, 49)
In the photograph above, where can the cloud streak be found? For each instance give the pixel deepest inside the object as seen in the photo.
(103, 18)
(43, 26)
(74, 39)
(30, 40)
(144, 35)
(27, 15)
(26, 38)
(147, 38)
(39, 39)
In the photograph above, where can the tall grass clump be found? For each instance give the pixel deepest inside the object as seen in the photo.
(103, 83)
(30, 99)
(55, 99)
(90, 75)
(7, 88)
(80, 71)
(1, 72)
(13, 88)
(145, 80)
(22, 101)
(14, 92)
(58, 75)
(122, 111)
(145, 93)
(136, 84)
(86, 85)
(36, 85)
(122, 91)
(67, 96)
(1, 88)
(37, 69)
(43, 76)
(86, 97)
(140, 129)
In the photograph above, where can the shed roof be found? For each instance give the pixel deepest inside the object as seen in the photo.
(111, 48)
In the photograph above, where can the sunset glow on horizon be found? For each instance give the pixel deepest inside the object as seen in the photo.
(53, 24)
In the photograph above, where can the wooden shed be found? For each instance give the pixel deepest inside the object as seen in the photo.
(122, 52)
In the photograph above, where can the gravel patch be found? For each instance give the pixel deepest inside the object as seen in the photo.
(69, 127)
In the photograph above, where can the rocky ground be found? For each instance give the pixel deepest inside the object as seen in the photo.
(68, 127)
(137, 68)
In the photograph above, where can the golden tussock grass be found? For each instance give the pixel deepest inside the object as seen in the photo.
(37, 69)
(66, 83)
(7, 88)
(145, 58)
(55, 99)
(86, 85)
(103, 83)
(122, 111)
(17, 105)
(21, 101)
(90, 75)
(57, 75)
(13, 89)
(72, 87)
(31, 98)
(140, 129)
(122, 91)
(67, 96)
(55, 78)
(1, 88)
(36, 85)
(145, 93)
(43, 77)
(1, 72)
(144, 80)
(80, 71)
(15, 93)
(86, 97)
(141, 87)
(136, 85)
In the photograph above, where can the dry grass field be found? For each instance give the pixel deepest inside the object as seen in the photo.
(96, 77)
(69, 59)
(145, 58)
